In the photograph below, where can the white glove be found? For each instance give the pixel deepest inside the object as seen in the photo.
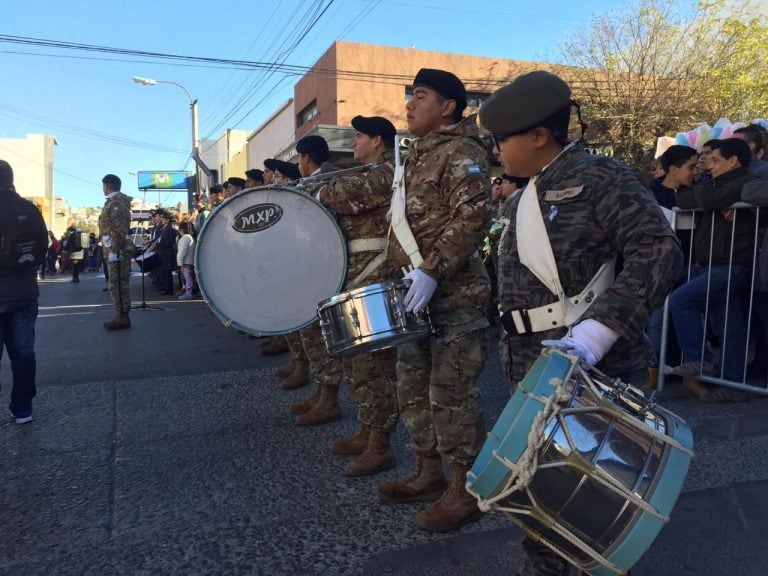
(421, 290)
(114, 257)
(589, 340)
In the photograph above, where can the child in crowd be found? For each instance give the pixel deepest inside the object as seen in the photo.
(185, 259)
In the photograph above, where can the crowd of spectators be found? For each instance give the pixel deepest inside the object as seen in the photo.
(719, 309)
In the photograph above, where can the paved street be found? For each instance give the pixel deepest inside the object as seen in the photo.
(168, 449)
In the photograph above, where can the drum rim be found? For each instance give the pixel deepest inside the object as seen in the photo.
(357, 292)
(231, 322)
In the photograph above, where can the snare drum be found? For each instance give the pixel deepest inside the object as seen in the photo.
(584, 464)
(370, 318)
(266, 256)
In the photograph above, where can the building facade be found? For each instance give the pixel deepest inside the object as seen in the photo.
(352, 78)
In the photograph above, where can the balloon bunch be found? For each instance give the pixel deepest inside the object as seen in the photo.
(696, 137)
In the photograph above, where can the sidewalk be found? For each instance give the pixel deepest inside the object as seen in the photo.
(169, 449)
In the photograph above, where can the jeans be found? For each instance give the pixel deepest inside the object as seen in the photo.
(687, 305)
(17, 336)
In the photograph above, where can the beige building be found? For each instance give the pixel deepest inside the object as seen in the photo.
(32, 162)
(275, 133)
(225, 156)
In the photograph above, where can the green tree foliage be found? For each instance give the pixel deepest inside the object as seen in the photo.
(658, 67)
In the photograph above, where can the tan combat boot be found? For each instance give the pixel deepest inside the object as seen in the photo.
(287, 370)
(376, 457)
(651, 380)
(426, 483)
(298, 378)
(455, 508)
(353, 444)
(304, 405)
(122, 322)
(274, 346)
(324, 411)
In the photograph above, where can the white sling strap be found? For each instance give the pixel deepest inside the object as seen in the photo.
(397, 218)
(535, 253)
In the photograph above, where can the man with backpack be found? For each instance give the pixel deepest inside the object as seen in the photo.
(23, 244)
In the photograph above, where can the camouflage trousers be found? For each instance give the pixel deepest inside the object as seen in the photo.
(326, 370)
(119, 284)
(436, 392)
(293, 339)
(372, 381)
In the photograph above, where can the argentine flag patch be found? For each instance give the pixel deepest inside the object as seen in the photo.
(473, 169)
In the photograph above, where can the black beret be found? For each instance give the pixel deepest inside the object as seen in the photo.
(287, 169)
(524, 103)
(235, 181)
(446, 84)
(269, 164)
(374, 126)
(313, 144)
(255, 174)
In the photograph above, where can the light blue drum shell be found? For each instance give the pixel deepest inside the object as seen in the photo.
(370, 318)
(614, 526)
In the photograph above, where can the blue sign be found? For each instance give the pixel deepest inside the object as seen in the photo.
(162, 180)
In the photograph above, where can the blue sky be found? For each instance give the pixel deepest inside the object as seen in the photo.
(89, 103)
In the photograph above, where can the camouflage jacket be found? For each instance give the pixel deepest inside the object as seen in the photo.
(448, 207)
(115, 224)
(607, 213)
(361, 201)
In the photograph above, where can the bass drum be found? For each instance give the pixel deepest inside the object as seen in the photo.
(266, 257)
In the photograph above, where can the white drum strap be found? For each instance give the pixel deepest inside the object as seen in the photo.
(371, 267)
(565, 312)
(366, 245)
(535, 252)
(397, 217)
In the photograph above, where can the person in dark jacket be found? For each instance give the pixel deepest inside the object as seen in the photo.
(166, 252)
(723, 246)
(19, 293)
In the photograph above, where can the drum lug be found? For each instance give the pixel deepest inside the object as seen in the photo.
(355, 319)
(397, 309)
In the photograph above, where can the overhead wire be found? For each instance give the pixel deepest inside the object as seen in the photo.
(18, 113)
(313, 19)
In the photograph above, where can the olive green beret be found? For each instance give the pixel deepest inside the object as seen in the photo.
(524, 103)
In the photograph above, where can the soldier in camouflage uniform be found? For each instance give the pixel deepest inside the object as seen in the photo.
(361, 201)
(313, 159)
(448, 207)
(114, 227)
(594, 209)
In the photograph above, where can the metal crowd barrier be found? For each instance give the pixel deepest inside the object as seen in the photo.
(684, 220)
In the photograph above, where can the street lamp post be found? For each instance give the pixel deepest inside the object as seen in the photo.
(195, 136)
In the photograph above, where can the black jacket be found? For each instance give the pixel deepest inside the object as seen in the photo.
(16, 285)
(716, 224)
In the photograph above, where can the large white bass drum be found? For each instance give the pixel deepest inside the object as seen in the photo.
(266, 256)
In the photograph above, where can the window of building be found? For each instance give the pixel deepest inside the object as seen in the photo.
(309, 112)
(474, 99)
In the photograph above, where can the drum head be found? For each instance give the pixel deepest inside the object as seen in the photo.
(266, 257)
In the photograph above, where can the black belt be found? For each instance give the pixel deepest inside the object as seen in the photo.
(509, 325)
